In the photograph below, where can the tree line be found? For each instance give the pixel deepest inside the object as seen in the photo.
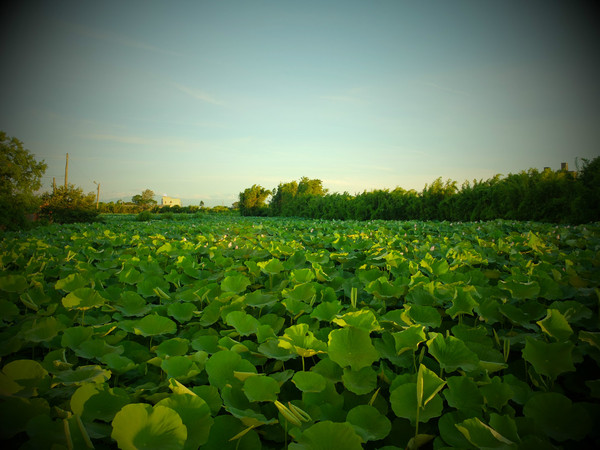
(557, 196)
(20, 205)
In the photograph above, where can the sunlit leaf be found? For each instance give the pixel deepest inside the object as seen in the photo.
(139, 425)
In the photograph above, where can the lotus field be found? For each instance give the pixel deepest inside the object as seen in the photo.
(248, 333)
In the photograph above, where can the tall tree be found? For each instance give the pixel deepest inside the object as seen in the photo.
(20, 177)
(252, 201)
(145, 200)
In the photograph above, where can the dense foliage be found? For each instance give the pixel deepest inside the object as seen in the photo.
(547, 196)
(68, 204)
(20, 177)
(240, 333)
(252, 201)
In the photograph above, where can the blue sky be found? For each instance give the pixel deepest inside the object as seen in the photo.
(202, 99)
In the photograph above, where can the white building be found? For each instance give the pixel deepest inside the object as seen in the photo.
(169, 201)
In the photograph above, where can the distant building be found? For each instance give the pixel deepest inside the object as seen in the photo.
(169, 201)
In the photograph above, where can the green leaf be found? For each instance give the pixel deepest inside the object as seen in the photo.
(261, 389)
(141, 426)
(496, 394)
(481, 435)
(8, 310)
(235, 284)
(432, 384)
(558, 417)
(363, 319)
(132, 304)
(130, 275)
(452, 353)
(369, 423)
(271, 267)
(220, 368)
(520, 290)
(13, 283)
(17, 412)
(172, 347)
(224, 428)
(244, 324)
(22, 377)
(309, 381)
(352, 347)
(154, 325)
(550, 359)
(93, 401)
(556, 325)
(298, 339)
(83, 299)
(71, 282)
(424, 315)
(326, 311)
(462, 304)
(327, 435)
(42, 330)
(195, 415)
(404, 404)
(258, 299)
(179, 367)
(591, 337)
(182, 312)
(360, 381)
(409, 339)
(83, 374)
(463, 394)
(302, 292)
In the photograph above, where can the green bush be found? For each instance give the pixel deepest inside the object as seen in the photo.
(143, 216)
(68, 205)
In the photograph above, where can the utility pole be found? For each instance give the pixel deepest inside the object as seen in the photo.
(67, 171)
(97, 195)
(53, 185)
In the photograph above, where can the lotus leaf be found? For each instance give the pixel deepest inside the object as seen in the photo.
(309, 381)
(297, 338)
(71, 282)
(452, 353)
(549, 359)
(182, 312)
(154, 325)
(139, 425)
(481, 435)
(93, 401)
(235, 284)
(364, 319)
(16, 413)
(369, 423)
(195, 415)
(360, 381)
(463, 394)
(132, 304)
(13, 283)
(352, 347)
(221, 366)
(557, 416)
(326, 435)
(244, 324)
(556, 325)
(261, 389)
(404, 404)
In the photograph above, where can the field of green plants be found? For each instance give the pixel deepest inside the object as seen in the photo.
(248, 333)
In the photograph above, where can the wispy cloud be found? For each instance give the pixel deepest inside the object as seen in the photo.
(117, 38)
(443, 88)
(198, 94)
(340, 98)
(135, 140)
